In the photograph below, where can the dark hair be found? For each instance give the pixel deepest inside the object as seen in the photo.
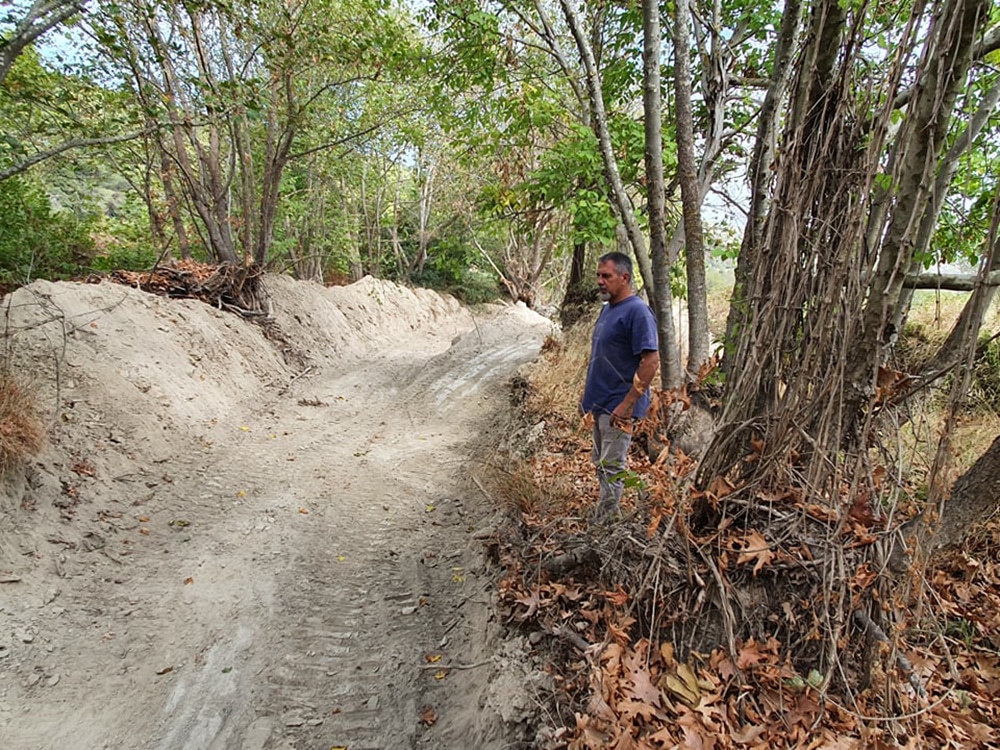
(623, 263)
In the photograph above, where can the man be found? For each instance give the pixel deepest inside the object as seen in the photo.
(623, 361)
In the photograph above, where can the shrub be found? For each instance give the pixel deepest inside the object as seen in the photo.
(22, 433)
(35, 241)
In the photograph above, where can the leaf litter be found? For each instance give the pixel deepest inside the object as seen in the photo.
(638, 649)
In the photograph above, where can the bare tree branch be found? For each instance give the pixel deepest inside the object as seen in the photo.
(951, 282)
(43, 16)
(41, 156)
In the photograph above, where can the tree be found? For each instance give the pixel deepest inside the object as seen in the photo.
(38, 19)
(670, 361)
(691, 196)
(231, 89)
(839, 212)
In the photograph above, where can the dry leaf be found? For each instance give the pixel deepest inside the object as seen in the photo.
(750, 655)
(748, 734)
(532, 601)
(755, 548)
(684, 686)
(618, 598)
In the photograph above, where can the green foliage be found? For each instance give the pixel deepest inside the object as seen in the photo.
(453, 267)
(964, 223)
(123, 238)
(35, 241)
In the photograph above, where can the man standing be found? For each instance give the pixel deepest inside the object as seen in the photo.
(623, 361)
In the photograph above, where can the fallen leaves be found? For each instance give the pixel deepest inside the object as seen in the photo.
(764, 553)
(754, 548)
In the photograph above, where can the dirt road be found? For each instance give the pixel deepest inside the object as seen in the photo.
(223, 550)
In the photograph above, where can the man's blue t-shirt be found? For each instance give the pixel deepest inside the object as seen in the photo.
(624, 330)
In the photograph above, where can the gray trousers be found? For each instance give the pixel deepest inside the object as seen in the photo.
(609, 456)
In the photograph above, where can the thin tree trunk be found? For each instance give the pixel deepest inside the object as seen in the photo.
(173, 201)
(621, 201)
(671, 372)
(239, 127)
(762, 160)
(923, 140)
(949, 167)
(278, 145)
(698, 336)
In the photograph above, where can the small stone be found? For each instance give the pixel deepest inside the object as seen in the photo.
(408, 610)
(52, 680)
(536, 637)
(25, 635)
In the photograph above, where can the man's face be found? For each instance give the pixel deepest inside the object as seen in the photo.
(611, 285)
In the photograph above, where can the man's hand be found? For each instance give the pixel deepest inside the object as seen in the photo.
(621, 417)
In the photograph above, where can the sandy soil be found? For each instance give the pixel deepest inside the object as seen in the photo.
(235, 541)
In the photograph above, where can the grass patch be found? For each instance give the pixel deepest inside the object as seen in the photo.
(22, 434)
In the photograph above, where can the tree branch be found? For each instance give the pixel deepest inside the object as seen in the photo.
(43, 16)
(951, 282)
(334, 144)
(41, 156)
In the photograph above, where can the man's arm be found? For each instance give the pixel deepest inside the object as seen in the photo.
(649, 361)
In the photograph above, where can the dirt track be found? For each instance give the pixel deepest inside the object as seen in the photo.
(222, 550)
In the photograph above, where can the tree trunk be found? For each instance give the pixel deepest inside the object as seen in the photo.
(278, 145)
(698, 336)
(579, 292)
(620, 199)
(974, 496)
(922, 141)
(167, 176)
(942, 183)
(239, 128)
(203, 182)
(671, 374)
(762, 159)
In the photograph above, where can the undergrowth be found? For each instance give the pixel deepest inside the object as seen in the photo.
(22, 433)
(644, 652)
